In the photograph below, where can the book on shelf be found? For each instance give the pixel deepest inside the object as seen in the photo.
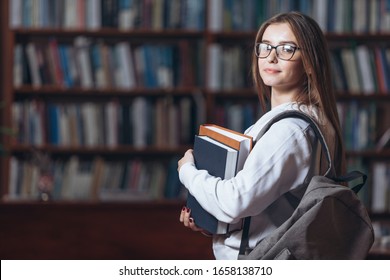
(222, 152)
(380, 187)
(384, 141)
(214, 77)
(351, 69)
(95, 179)
(364, 65)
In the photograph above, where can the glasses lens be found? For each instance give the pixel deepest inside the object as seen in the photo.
(263, 50)
(285, 52)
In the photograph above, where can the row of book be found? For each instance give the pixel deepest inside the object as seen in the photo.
(97, 179)
(140, 122)
(382, 235)
(358, 163)
(228, 67)
(358, 122)
(333, 16)
(97, 64)
(376, 194)
(380, 187)
(341, 16)
(236, 116)
(120, 14)
(362, 69)
(162, 122)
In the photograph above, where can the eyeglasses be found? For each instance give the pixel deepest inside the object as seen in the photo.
(284, 51)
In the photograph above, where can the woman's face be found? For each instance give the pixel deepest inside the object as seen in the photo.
(283, 76)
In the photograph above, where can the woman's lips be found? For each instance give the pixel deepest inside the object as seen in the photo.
(271, 71)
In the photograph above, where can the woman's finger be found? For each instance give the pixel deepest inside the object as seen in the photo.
(182, 212)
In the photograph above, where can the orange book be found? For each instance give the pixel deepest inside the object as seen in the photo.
(236, 140)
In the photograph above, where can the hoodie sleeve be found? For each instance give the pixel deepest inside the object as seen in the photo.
(279, 161)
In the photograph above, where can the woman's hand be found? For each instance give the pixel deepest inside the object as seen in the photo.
(188, 157)
(185, 218)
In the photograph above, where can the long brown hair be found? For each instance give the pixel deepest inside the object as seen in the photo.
(318, 86)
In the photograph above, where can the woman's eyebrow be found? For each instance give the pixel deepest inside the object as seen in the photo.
(280, 43)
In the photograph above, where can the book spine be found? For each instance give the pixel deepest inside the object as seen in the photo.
(219, 137)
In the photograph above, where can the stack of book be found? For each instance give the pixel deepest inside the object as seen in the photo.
(222, 152)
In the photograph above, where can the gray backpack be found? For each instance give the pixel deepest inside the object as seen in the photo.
(329, 222)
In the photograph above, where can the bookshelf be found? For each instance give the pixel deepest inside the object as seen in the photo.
(98, 89)
(201, 73)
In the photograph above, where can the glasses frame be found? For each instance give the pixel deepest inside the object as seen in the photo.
(276, 50)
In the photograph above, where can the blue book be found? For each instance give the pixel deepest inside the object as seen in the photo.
(220, 161)
(53, 119)
(64, 58)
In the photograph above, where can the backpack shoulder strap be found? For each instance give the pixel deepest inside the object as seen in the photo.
(313, 125)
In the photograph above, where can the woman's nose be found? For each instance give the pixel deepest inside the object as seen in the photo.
(272, 57)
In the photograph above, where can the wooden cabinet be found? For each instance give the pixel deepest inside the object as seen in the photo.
(141, 231)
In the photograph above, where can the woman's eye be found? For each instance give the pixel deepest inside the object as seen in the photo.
(288, 49)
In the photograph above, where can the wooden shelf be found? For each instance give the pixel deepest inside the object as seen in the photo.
(89, 204)
(373, 154)
(380, 216)
(379, 254)
(363, 37)
(47, 90)
(108, 33)
(122, 150)
(361, 97)
(233, 93)
(330, 36)
(54, 91)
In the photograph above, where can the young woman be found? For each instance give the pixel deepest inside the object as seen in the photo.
(291, 71)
